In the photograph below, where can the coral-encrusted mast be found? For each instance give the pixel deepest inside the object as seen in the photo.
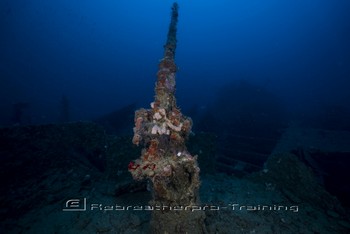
(165, 161)
(165, 87)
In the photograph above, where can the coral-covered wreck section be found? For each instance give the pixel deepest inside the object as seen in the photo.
(163, 130)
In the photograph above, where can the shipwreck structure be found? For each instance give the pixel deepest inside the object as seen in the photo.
(172, 171)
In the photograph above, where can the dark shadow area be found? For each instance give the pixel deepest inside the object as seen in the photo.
(243, 108)
(248, 121)
(20, 114)
(118, 122)
(329, 117)
(336, 173)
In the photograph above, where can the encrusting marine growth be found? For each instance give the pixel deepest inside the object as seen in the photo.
(165, 161)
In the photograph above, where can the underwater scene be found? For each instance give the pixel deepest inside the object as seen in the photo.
(133, 116)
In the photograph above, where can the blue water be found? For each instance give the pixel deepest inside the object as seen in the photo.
(103, 55)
